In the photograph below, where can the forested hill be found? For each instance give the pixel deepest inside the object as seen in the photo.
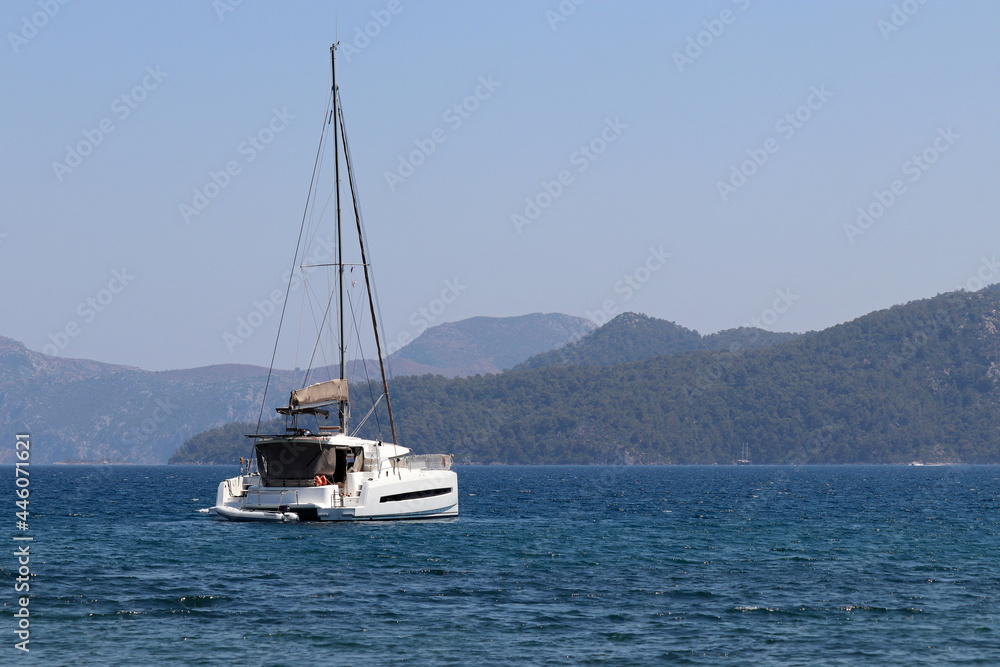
(916, 382)
(634, 337)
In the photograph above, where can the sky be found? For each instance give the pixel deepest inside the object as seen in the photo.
(717, 164)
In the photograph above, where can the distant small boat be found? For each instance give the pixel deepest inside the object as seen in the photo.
(744, 459)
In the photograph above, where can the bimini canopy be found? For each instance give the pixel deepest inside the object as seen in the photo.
(321, 393)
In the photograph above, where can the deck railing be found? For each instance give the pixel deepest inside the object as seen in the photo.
(429, 461)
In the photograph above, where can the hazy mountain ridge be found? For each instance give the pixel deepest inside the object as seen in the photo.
(89, 410)
(912, 382)
(481, 345)
(79, 409)
(634, 336)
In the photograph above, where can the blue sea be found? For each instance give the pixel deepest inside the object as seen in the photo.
(547, 565)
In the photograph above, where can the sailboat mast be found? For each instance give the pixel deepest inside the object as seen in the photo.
(342, 412)
(365, 266)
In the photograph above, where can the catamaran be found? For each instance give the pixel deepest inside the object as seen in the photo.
(320, 468)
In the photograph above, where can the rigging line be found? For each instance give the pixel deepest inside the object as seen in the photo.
(373, 292)
(319, 338)
(326, 328)
(384, 393)
(338, 109)
(310, 239)
(298, 336)
(368, 379)
(295, 258)
(309, 299)
(304, 302)
(310, 302)
(314, 228)
(356, 320)
(342, 405)
(356, 338)
(326, 205)
(370, 412)
(322, 328)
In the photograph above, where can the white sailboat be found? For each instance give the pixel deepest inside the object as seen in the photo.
(744, 459)
(319, 469)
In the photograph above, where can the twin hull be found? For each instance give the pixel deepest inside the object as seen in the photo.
(398, 493)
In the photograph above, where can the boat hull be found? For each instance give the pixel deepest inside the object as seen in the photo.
(391, 496)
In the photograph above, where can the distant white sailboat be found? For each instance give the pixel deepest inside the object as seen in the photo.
(744, 459)
(322, 471)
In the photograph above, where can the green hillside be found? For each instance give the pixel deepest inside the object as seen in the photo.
(633, 337)
(914, 382)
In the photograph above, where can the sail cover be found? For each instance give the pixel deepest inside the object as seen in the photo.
(321, 393)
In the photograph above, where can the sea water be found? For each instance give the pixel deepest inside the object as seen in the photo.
(546, 565)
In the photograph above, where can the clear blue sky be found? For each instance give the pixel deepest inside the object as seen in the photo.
(829, 102)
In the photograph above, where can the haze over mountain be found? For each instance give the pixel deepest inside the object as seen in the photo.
(482, 345)
(88, 410)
